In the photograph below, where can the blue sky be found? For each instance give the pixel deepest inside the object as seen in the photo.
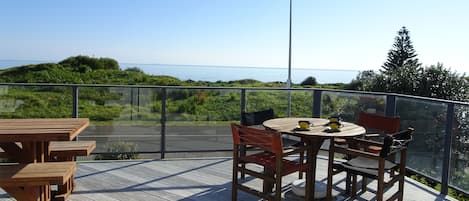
(332, 34)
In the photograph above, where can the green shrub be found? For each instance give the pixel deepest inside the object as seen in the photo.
(119, 151)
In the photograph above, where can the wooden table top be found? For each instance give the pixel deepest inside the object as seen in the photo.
(51, 129)
(318, 128)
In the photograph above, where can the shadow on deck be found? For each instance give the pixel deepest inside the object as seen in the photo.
(189, 179)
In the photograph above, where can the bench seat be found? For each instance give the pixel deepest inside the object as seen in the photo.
(67, 151)
(32, 181)
(71, 148)
(36, 173)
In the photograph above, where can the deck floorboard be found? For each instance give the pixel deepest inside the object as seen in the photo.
(189, 179)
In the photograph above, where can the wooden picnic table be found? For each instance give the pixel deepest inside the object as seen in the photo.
(27, 142)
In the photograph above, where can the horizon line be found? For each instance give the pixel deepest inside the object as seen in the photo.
(210, 66)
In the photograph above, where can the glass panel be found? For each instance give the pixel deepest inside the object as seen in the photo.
(459, 164)
(35, 102)
(123, 119)
(199, 119)
(425, 153)
(349, 105)
(264, 99)
(302, 103)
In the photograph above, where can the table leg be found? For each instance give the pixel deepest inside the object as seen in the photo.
(315, 145)
(35, 152)
(330, 162)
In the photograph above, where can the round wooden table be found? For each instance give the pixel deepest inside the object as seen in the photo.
(314, 137)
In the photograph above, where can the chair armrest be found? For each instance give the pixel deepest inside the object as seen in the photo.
(295, 150)
(373, 135)
(356, 152)
(365, 142)
(394, 151)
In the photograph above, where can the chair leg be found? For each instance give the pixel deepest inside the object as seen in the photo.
(267, 186)
(380, 190)
(234, 182)
(364, 183)
(234, 186)
(401, 189)
(242, 152)
(302, 160)
(354, 186)
(348, 180)
(278, 187)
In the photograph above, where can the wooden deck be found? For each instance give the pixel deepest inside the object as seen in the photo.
(204, 179)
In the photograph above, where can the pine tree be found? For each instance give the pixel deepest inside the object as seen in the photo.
(402, 54)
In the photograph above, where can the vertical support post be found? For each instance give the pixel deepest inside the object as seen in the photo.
(243, 101)
(390, 105)
(289, 65)
(75, 105)
(75, 102)
(163, 123)
(131, 102)
(317, 101)
(447, 148)
(138, 100)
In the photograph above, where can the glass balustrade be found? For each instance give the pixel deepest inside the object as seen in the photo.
(123, 119)
(459, 159)
(198, 119)
(158, 120)
(425, 153)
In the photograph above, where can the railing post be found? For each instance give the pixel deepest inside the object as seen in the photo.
(317, 101)
(163, 123)
(75, 101)
(390, 105)
(131, 102)
(243, 101)
(447, 148)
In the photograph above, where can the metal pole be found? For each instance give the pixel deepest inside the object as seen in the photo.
(243, 101)
(390, 105)
(163, 124)
(75, 105)
(75, 102)
(131, 102)
(317, 101)
(289, 65)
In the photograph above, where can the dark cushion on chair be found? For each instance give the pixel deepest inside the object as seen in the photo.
(256, 118)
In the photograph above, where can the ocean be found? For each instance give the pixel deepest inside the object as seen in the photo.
(225, 73)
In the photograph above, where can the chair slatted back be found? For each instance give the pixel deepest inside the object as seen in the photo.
(256, 118)
(267, 140)
(379, 122)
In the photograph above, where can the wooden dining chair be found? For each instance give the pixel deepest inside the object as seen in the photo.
(375, 165)
(377, 126)
(256, 119)
(271, 158)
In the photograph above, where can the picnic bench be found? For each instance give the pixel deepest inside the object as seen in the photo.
(31, 181)
(68, 151)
